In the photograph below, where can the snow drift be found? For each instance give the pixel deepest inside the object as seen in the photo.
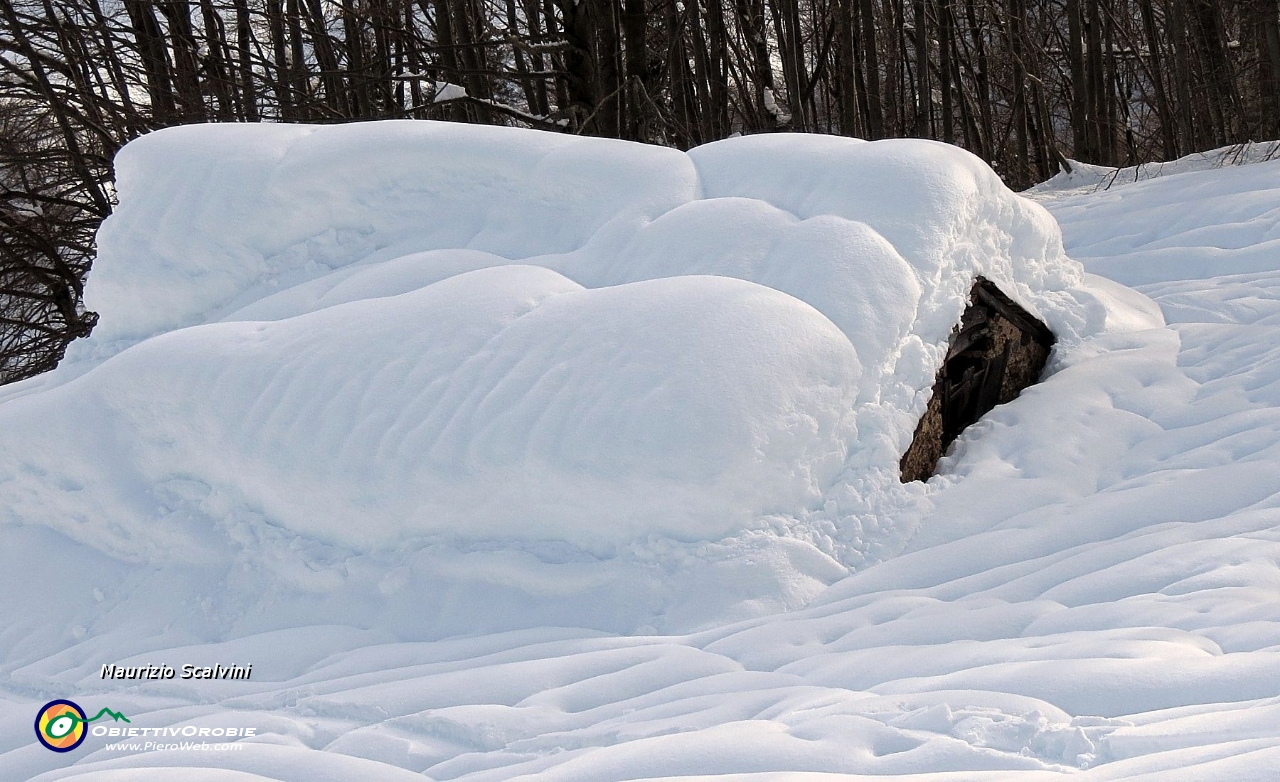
(1167, 207)
(306, 345)
(369, 333)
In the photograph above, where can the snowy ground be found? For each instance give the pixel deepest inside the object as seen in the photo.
(1089, 590)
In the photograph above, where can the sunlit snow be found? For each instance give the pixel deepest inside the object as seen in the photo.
(502, 454)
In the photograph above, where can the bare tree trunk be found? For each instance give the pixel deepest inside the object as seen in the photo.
(924, 99)
(1022, 165)
(335, 97)
(186, 67)
(946, 45)
(218, 79)
(581, 76)
(1168, 132)
(875, 110)
(986, 118)
(244, 56)
(635, 25)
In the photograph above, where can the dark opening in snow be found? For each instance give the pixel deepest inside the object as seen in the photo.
(997, 350)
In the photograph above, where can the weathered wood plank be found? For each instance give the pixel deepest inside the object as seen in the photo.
(996, 350)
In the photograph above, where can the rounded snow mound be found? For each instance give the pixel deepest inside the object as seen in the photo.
(507, 402)
(370, 334)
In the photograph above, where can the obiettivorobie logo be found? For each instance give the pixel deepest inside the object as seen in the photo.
(60, 724)
(61, 727)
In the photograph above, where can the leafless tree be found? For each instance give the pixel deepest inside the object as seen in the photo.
(1025, 84)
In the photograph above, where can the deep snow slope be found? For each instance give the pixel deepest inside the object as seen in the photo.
(1158, 210)
(523, 366)
(360, 390)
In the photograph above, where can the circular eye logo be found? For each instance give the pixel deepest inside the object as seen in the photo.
(60, 725)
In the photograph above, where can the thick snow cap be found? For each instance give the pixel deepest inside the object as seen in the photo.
(372, 333)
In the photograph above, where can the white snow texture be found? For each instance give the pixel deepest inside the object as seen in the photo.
(502, 454)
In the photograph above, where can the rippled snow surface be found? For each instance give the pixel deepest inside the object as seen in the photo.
(509, 455)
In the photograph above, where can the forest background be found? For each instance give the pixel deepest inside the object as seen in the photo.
(1025, 84)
